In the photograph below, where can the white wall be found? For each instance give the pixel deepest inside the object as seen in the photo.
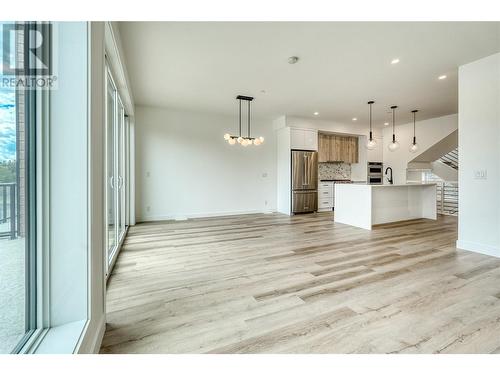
(479, 149)
(184, 168)
(90, 341)
(428, 133)
(331, 126)
(100, 42)
(283, 171)
(359, 170)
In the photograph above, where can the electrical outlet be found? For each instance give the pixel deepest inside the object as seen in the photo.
(148, 174)
(265, 202)
(148, 208)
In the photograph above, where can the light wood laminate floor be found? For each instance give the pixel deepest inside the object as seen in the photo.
(303, 284)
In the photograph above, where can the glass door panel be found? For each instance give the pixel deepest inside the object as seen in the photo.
(111, 169)
(17, 201)
(116, 168)
(121, 170)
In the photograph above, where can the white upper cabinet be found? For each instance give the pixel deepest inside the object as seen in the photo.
(311, 140)
(297, 139)
(304, 139)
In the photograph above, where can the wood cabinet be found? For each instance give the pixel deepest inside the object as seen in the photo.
(336, 148)
(323, 148)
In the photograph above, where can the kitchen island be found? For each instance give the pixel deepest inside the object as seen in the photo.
(366, 205)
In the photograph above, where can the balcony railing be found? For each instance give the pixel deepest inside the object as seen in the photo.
(8, 212)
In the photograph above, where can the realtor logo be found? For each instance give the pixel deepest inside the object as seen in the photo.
(33, 40)
(27, 60)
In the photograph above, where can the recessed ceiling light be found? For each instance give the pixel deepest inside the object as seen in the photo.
(442, 77)
(354, 119)
(386, 123)
(394, 61)
(316, 113)
(293, 59)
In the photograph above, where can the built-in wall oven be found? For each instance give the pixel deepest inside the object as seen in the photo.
(375, 173)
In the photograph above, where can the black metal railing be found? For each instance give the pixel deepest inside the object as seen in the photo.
(450, 159)
(8, 214)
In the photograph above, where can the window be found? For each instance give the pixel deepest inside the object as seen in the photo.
(51, 175)
(44, 187)
(17, 195)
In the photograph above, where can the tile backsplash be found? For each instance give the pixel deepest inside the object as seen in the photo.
(334, 171)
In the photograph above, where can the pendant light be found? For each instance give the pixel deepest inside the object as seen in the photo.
(248, 140)
(371, 144)
(394, 145)
(414, 145)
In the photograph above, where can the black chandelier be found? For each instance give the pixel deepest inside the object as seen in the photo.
(371, 144)
(414, 145)
(248, 140)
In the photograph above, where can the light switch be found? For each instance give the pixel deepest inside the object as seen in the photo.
(480, 174)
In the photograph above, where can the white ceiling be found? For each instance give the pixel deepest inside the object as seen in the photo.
(203, 66)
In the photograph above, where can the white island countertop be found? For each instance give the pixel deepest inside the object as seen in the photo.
(365, 205)
(395, 185)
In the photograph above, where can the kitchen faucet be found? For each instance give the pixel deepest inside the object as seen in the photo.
(389, 179)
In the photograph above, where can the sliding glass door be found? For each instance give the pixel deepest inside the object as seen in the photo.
(116, 162)
(121, 170)
(110, 152)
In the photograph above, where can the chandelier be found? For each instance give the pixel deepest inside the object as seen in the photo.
(248, 140)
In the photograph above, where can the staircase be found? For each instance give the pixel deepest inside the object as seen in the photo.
(446, 194)
(439, 164)
(450, 159)
(441, 158)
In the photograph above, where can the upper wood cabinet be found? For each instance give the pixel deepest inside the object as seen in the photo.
(323, 148)
(336, 148)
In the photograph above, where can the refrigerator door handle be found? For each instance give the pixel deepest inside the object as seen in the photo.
(307, 169)
(304, 179)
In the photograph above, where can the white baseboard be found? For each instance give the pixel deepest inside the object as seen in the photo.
(183, 216)
(479, 248)
(92, 337)
(99, 337)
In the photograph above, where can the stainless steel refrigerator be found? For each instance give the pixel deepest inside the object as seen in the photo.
(304, 181)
